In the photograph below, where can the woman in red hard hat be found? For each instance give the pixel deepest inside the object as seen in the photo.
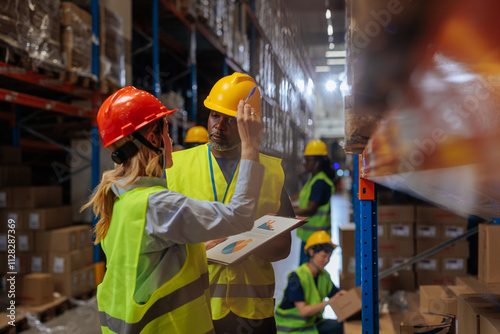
(156, 279)
(303, 303)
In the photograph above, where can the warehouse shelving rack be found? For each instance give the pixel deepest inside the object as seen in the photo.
(32, 94)
(294, 111)
(425, 124)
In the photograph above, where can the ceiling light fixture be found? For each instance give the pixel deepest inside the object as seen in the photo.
(337, 61)
(332, 46)
(330, 30)
(319, 69)
(328, 14)
(331, 85)
(335, 54)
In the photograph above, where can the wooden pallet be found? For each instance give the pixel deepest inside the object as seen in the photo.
(47, 311)
(20, 324)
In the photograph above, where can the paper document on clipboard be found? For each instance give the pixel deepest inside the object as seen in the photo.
(264, 230)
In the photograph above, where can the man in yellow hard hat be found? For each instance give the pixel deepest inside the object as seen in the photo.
(303, 303)
(195, 136)
(314, 198)
(241, 294)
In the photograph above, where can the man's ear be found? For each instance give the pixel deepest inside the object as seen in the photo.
(311, 252)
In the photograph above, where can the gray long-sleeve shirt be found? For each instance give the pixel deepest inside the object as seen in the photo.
(173, 220)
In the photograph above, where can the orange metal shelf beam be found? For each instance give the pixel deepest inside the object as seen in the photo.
(29, 76)
(45, 104)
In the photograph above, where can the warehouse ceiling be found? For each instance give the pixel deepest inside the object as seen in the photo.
(313, 24)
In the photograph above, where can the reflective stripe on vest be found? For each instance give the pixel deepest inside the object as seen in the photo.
(164, 305)
(178, 306)
(321, 220)
(290, 320)
(190, 175)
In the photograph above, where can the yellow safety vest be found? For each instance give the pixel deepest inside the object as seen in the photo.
(290, 320)
(179, 306)
(321, 221)
(246, 288)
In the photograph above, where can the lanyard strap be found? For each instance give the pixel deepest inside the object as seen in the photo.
(212, 176)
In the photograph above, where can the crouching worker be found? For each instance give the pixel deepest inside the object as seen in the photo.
(156, 279)
(303, 303)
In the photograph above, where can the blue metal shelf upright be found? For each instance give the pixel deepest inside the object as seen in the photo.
(365, 217)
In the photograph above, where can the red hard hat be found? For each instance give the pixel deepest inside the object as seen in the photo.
(127, 110)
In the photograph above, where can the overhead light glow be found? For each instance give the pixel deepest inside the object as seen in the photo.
(330, 30)
(328, 14)
(330, 39)
(331, 85)
(321, 69)
(336, 61)
(340, 173)
(301, 85)
(335, 54)
(332, 45)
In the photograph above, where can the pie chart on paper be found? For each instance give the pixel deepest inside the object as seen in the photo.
(236, 246)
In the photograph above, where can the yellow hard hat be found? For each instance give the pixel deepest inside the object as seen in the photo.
(320, 237)
(316, 147)
(196, 134)
(228, 91)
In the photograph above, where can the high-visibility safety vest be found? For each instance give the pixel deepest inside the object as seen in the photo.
(321, 220)
(290, 320)
(178, 306)
(246, 288)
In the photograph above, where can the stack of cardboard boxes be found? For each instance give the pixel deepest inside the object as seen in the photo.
(39, 225)
(403, 232)
(474, 301)
(396, 243)
(433, 227)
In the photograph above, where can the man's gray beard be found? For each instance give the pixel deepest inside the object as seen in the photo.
(223, 148)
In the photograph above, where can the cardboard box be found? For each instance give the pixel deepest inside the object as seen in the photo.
(347, 281)
(396, 248)
(451, 231)
(36, 197)
(428, 323)
(429, 264)
(453, 266)
(437, 299)
(346, 239)
(432, 214)
(67, 262)
(460, 249)
(42, 219)
(67, 284)
(15, 216)
(15, 176)
(488, 251)
(383, 231)
(37, 289)
(403, 280)
(348, 304)
(471, 307)
(401, 231)
(433, 278)
(6, 199)
(10, 155)
(39, 263)
(476, 285)
(396, 213)
(489, 323)
(63, 239)
(427, 231)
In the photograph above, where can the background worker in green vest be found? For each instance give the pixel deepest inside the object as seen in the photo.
(314, 198)
(241, 294)
(195, 136)
(157, 277)
(303, 303)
